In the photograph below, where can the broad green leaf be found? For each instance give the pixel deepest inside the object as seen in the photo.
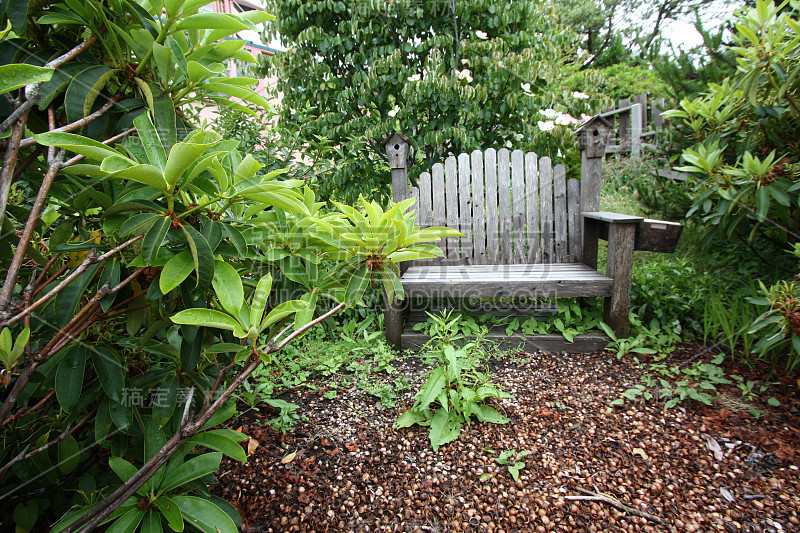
(175, 271)
(84, 89)
(121, 168)
(486, 413)
(152, 522)
(151, 142)
(109, 372)
(170, 510)
(198, 72)
(204, 515)
(244, 93)
(409, 418)
(220, 443)
(281, 311)
(154, 238)
(122, 468)
(181, 157)
(306, 314)
(77, 143)
(432, 388)
(17, 75)
(213, 21)
(128, 522)
(228, 287)
(209, 318)
(202, 255)
(223, 413)
(165, 403)
(445, 427)
(260, 296)
(69, 377)
(357, 285)
(69, 454)
(194, 468)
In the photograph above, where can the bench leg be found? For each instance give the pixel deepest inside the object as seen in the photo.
(393, 315)
(621, 238)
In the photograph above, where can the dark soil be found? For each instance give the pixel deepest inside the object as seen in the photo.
(346, 469)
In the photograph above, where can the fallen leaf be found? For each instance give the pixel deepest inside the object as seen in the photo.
(289, 458)
(239, 429)
(713, 446)
(641, 453)
(351, 447)
(252, 444)
(726, 495)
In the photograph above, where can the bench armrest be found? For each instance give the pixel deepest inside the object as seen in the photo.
(607, 226)
(611, 218)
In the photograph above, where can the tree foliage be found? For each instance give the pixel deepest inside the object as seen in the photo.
(148, 266)
(453, 76)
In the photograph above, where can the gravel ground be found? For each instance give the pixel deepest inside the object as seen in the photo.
(352, 472)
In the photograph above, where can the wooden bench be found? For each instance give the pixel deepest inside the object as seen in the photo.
(528, 232)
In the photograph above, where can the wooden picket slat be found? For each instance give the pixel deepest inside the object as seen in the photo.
(451, 207)
(437, 190)
(546, 206)
(642, 99)
(624, 133)
(425, 211)
(560, 213)
(504, 204)
(478, 210)
(465, 208)
(574, 220)
(518, 205)
(532, 207)
(490, 171)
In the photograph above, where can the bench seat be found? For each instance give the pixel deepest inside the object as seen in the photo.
(505, 281)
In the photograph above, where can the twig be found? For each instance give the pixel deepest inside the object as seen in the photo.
(32, 94)
(54, 165)
(32, 409)
(303, 329)
(10, 162)
(613, 502)
(90, 259)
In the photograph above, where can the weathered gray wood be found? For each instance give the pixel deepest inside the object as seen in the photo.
(414, 193)
(504, 204)
(591, 182)
(492, 229)
(636, 130)
(673, 175)
(397, 148)
(584, 343)
(560, 214)
(437, 190)
(478, 209)
(465, 208)
(610, 217)
(619, 267)
(575, 223)
(532, 207)
(658, 110)
(505, 281)
(518, 205)
(591, 241)
(451, 207)
(546, 209)
(624, 131)
(641, 99)
(425, 211)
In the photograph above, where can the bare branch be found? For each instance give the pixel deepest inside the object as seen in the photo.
(10, 162)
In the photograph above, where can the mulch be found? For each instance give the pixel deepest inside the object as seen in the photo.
(692, 468)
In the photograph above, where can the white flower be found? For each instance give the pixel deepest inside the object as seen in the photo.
(546, 125)
(415, 77)
(549, 113)
(564, 119)
(526, 87)
(394, 111)
(585, 117)
(580, 95)
(464, 75)
(465, 61)
(480, 34)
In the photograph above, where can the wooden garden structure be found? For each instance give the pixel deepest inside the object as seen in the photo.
(528, 233)
(634, 124)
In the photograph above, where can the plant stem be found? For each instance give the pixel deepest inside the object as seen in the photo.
(10, 162)
(30, 226)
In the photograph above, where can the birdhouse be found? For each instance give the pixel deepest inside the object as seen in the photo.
(397, 147)
(593, 136)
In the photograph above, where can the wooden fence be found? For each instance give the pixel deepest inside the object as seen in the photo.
(634, 123)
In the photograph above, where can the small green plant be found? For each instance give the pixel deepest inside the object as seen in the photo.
(287, 416)
(512, 460)
(454, 392)
(779, 326)
(626, 345)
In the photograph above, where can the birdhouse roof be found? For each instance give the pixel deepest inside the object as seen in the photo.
(593, 121)
(391, 138)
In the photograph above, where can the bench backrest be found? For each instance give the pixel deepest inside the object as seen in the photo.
(512, 207)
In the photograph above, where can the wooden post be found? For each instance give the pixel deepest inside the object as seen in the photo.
(636, 130)
(624, 134)
(658, 118)
(397, 148)
(621, 238)
(592, 140)
(641, 99)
